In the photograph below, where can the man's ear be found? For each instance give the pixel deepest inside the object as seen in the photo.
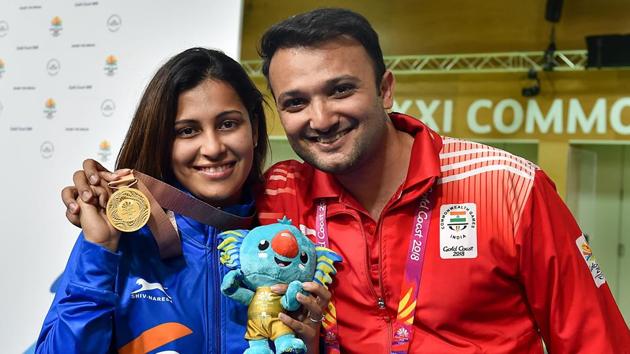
(387, 89)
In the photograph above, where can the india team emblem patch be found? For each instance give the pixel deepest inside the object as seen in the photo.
(591, 262)
(458, 231)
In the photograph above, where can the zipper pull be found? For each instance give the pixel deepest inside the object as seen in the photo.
(381, 303)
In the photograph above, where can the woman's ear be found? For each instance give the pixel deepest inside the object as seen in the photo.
(254, 124)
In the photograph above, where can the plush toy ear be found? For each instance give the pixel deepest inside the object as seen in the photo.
(230, 247)
(325, 265)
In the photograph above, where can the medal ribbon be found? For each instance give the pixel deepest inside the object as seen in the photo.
(403, 326)
(162, 196)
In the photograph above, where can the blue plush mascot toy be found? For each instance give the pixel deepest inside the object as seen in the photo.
(268, 255)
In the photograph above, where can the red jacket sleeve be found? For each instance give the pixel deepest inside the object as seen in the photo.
(277, 198)
(567, 293)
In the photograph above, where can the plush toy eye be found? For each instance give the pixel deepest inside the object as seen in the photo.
(263, 245)
(304, 257)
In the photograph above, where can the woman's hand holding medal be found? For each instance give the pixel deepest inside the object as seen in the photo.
(87, 200)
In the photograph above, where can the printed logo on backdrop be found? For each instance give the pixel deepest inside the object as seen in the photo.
(85, 3)
(4, 28)
(53, 66)
(50, 108)
(2, 69)
(108, 107)
(104, 151)
(56, 26)
(591, 262)
(111, 65)
(114, 22)
(47, 149)
(29, 7)
(458, 231)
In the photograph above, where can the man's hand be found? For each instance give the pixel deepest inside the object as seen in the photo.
(92, 175)
(307, 324)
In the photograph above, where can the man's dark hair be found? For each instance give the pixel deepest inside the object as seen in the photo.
(318, 26)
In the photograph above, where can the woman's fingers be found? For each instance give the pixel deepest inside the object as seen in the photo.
(106, 176)
(91, 171)
(74, 215)
(103, 194)
(69, 197)
(83, 186)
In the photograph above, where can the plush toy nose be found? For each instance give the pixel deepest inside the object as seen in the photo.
(285, 244)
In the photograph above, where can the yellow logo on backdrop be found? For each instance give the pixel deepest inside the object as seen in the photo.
(50, 108)
(111, 60)
(56, 26)
(50, 103)
(111, 65)
(104, 150)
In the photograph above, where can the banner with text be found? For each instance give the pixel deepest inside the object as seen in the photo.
(590, 105)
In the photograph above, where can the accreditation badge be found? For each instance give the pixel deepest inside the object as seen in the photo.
(458, 231)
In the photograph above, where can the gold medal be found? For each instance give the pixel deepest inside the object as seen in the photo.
(128, 209)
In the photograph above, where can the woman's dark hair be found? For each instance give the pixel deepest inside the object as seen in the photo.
(318, 26)
(148, 145)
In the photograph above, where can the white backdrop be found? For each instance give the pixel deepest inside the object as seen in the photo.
(71, 74)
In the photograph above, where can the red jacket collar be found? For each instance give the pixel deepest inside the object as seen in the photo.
(424, 164)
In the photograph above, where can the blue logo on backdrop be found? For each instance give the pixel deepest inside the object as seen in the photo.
(53, 66)
(113, 23)
(4, 28)
(108, 107)
(47, 149)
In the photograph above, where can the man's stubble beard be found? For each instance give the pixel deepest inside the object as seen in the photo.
(358, 155)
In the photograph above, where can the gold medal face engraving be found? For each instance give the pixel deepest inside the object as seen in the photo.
(128, 209)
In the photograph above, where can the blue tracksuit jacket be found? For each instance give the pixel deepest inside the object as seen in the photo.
(134, 302)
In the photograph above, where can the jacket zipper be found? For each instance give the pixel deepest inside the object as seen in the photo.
(381, 301)
(206, 298)
(382, 304)
(216, 327)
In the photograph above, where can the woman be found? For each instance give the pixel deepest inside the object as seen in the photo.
(199, 126)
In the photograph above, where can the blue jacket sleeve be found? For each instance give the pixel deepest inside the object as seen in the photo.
(80, 319)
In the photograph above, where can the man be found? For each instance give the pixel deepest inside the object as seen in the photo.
(447, 245)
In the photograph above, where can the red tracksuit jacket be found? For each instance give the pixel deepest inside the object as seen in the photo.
(506, 264)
